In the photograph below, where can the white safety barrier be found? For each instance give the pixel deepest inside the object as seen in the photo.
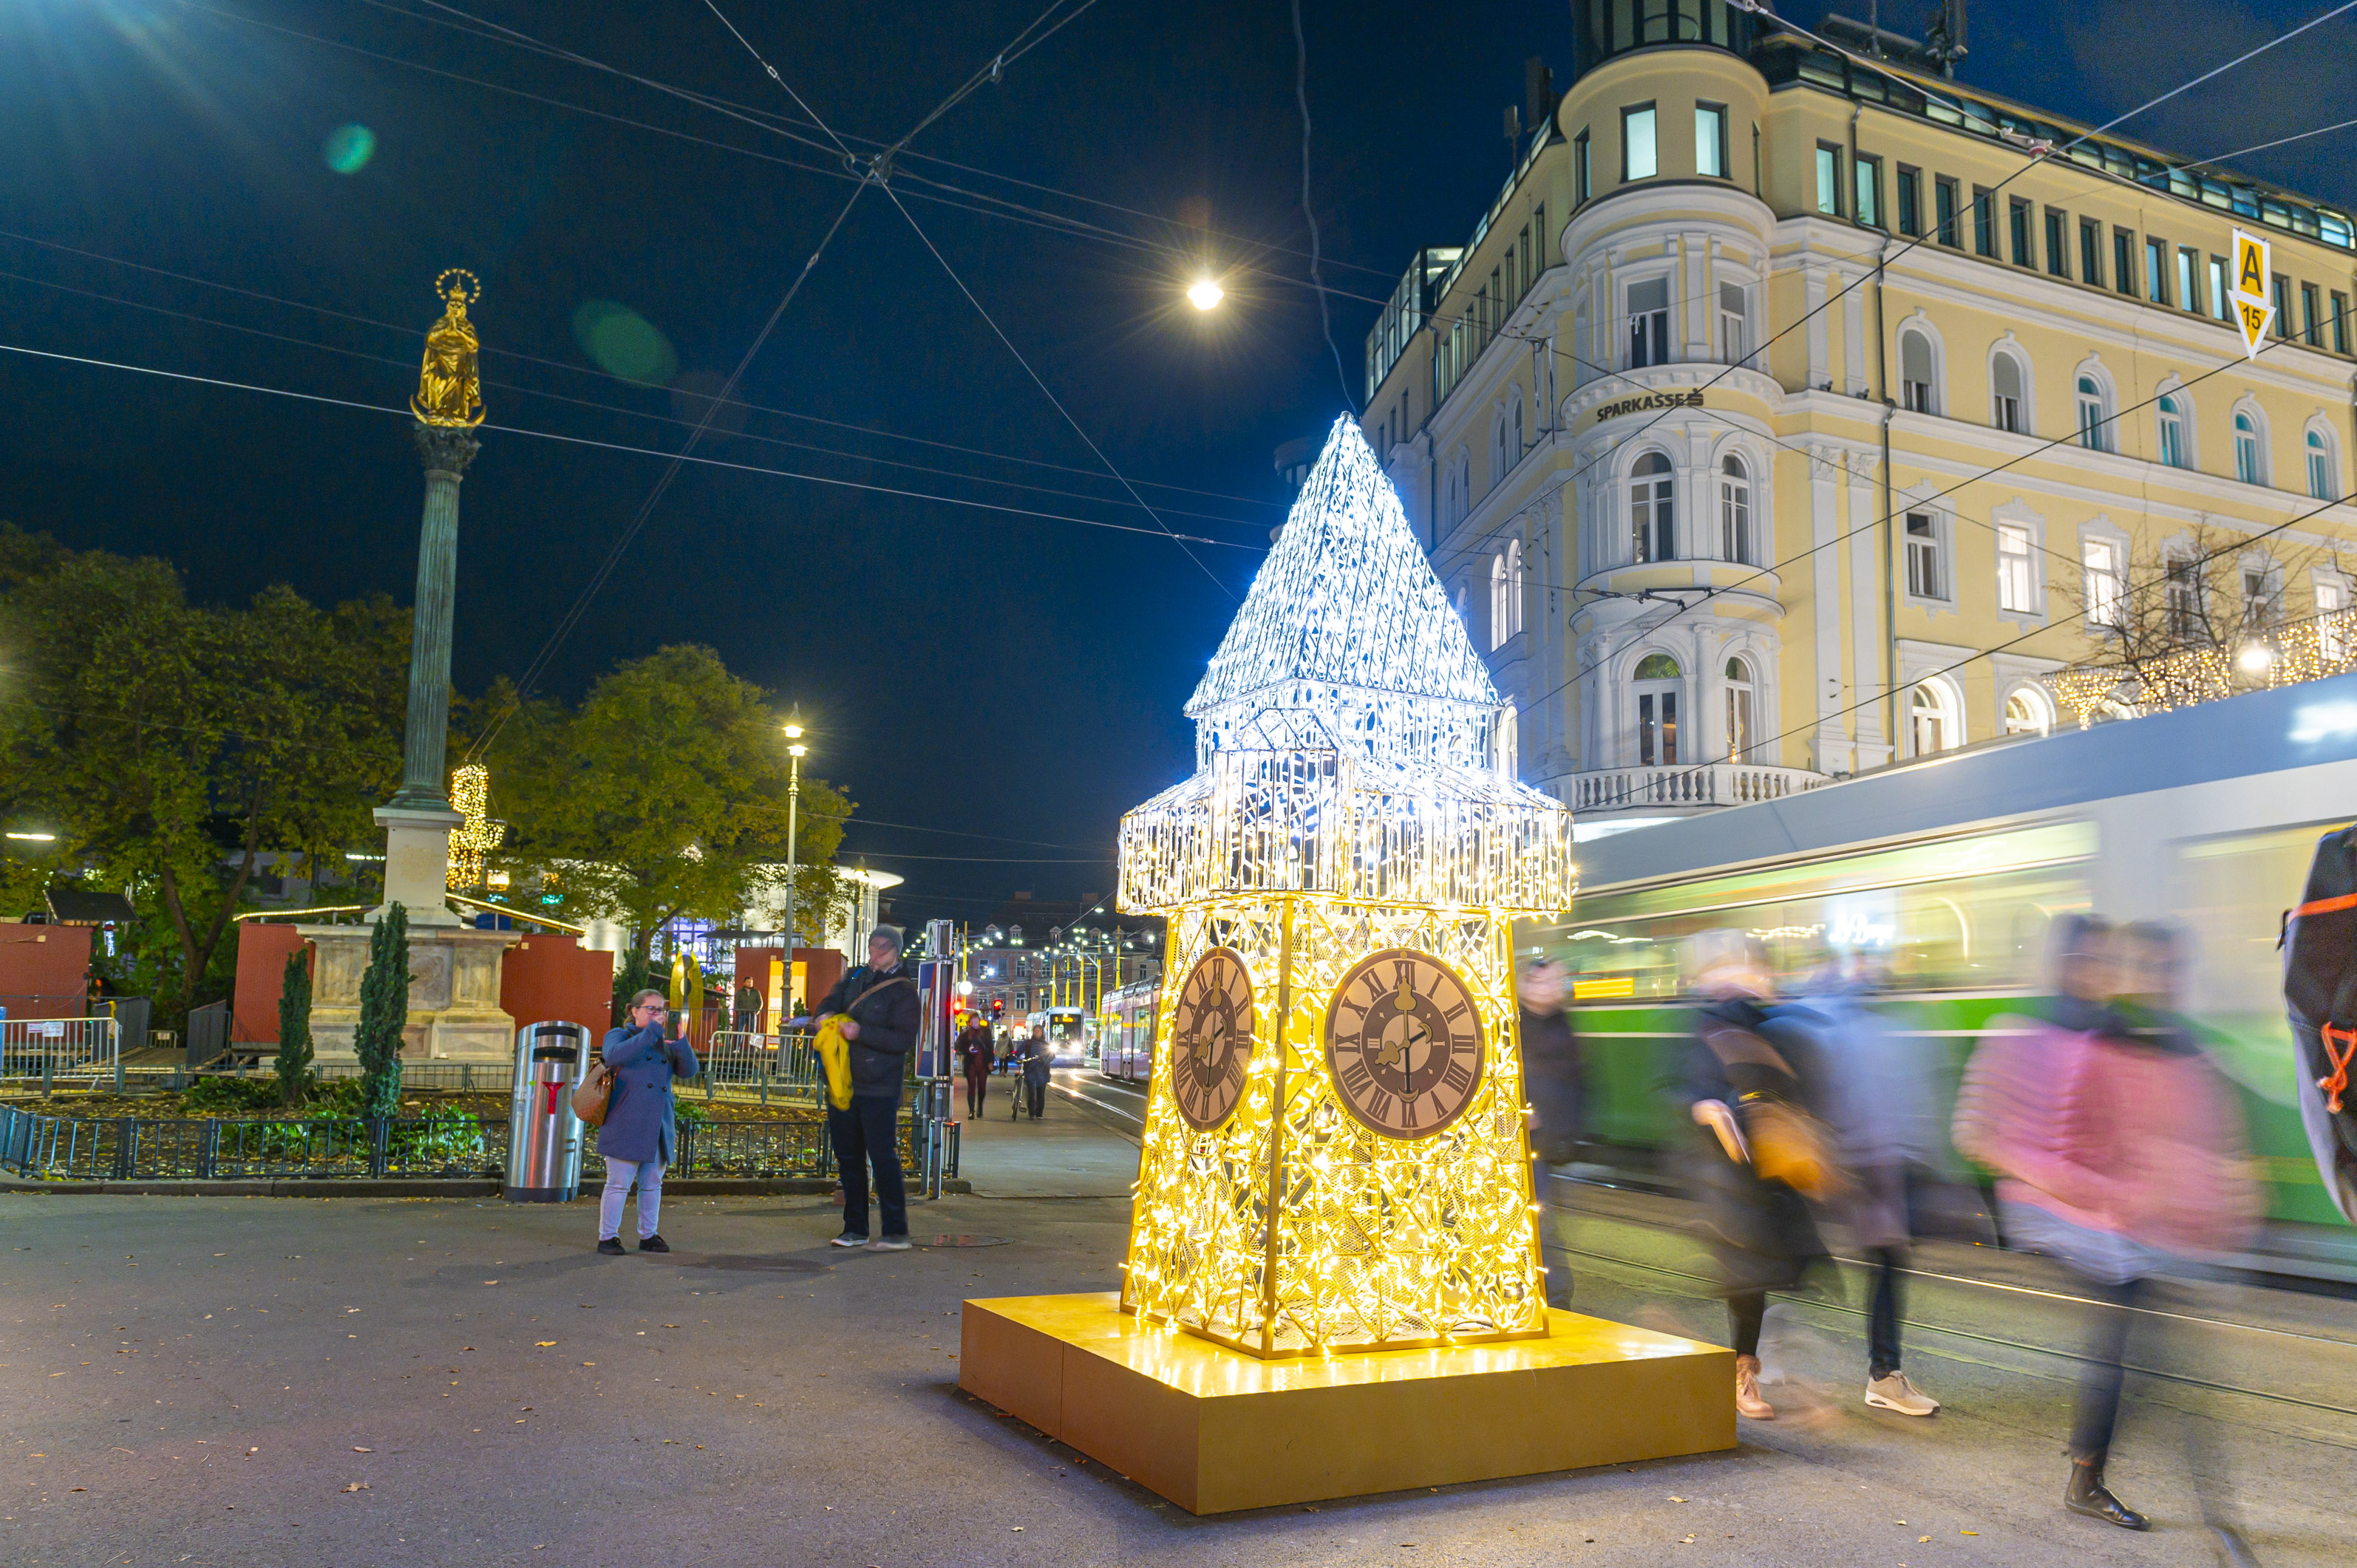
(60, 1047)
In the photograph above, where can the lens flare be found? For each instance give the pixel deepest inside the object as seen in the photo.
(623, 343)
(349, 149)
(1206, 294)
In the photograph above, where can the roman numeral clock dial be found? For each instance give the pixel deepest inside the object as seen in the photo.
(1404, 1044)
(1211, 1025)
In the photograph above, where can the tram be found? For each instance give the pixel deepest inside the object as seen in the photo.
(1125, 1041)
(1066, 1032)
(1952, 867)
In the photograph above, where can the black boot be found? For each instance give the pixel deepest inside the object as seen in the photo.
(2087, 1495)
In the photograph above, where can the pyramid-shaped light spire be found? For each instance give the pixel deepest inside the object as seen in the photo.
(1347, 599)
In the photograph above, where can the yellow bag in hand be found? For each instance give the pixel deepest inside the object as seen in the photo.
(834, 1055)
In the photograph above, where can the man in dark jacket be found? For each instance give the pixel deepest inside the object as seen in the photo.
(1555, 1085)
(878, 1005)
(1037, 1058)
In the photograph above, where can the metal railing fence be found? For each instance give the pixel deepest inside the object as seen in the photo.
(784, 1063)
(53, 1049)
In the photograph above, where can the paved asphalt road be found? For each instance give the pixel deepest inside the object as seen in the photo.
(260, 1381)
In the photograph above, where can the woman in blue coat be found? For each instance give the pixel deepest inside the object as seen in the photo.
(640, 1137)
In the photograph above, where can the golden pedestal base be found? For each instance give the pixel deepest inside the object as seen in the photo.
(1215, 1430)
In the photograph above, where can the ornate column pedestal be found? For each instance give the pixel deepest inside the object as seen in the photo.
(454, 994)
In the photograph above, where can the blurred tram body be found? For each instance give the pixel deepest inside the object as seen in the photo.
(1126, 1045)
(1951, 868)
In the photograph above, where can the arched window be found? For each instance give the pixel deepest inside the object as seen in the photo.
(1935, 720)
(2248, 453)
(2323, 483)
(1505, 594)
(1509, 742)
(1652, 529)
(2174, 449)
(1735, 511)
(2006, 393)
(1499, 461)
(1915, 383)
(1657, 685)
(1516, 447)
(2027, 712)
(2094, 434)
(1742, 712)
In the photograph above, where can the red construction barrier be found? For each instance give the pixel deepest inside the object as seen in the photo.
(44, 971)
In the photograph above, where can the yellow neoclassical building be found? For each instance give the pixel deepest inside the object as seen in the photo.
(1793, 410)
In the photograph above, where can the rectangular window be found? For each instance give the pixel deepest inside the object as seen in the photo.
(2107, 589)
(2189, 280)
(2332, 624)
(2258, 597)
(1710, 140)
(1538, 244)
(2311, 317)
(1829, 180)
(2156, 271)
(2124, 261)
(2058, 251)
(1910, 205)
(1924, 578)
(2182, 601)
(1640, 158)
(2218, 303)
(1867, 176)
(2339, 322)
(1983, 223)
(2090, 252)
(2025, 253)
(1943, 203)
(1584, 164)
(1733, 323)
(2016, 578)
(2283, 305)
(1649, 323)
(1657, 729)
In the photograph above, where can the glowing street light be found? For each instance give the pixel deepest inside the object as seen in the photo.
(1206, 294)
(35, 838)
(2256, 657)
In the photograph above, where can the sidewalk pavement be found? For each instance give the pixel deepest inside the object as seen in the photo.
(386, 1384)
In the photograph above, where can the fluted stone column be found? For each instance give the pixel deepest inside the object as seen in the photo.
(418, 819)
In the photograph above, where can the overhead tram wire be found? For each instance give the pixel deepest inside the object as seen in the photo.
(1308, 213)
(617, 409)
(879, 169)
(1881, 263)
(619, 446)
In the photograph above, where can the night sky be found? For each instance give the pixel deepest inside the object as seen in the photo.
(1012, 681)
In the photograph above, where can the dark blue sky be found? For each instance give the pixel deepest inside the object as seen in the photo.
(984, 672)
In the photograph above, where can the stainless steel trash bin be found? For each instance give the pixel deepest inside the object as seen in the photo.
(544, 1134)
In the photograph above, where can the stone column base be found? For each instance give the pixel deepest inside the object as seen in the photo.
(454, 994)
(417, 864)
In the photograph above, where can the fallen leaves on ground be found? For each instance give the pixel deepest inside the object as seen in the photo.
(358, 1486)
(357, 1449)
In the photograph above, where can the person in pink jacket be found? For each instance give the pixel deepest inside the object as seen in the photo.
(2117, 1149)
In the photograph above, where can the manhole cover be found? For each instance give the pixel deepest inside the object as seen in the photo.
(967, 1241)
(735, 1263)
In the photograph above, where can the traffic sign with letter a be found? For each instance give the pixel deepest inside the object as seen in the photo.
(2254, 317)
(2253, 260)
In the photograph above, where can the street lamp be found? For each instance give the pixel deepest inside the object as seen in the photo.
(1205, 294)
(795, 750)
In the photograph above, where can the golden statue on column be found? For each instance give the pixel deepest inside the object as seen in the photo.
(449, 389)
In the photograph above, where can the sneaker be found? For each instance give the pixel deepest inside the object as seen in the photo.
(1895, 1392)
(893, 1244)
(1748, 1402)
(611, 1246)
(850, 1238)
(654, 1244)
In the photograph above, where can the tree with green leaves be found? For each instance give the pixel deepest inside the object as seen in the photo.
(295, 1029)
(175, 746)
(663, 795)
(384, 1013)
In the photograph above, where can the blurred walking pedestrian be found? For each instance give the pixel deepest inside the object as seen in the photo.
(878, 1002)
(640, 1134)
(1554, 1079)
(972, 1048)
(1758, 1156)
(1037, 1060)
(2118, 1154)
(1874, 1088)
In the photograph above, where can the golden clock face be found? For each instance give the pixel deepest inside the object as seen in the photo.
(1403, 1043)
(1211, 1038)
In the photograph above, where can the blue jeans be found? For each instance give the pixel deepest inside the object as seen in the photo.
(619, 1174)
(867, 1135)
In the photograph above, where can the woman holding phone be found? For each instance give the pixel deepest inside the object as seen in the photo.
(640, 1135)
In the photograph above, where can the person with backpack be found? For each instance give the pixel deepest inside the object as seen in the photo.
(2118, 1151)
(880, 1012)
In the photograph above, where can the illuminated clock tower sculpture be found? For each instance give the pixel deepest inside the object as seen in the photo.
(1335, 1156)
